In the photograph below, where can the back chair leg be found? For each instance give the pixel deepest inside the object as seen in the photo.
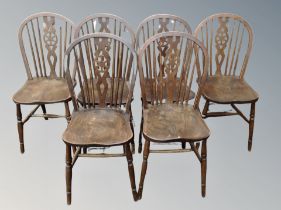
(206, 108)
(144, 167)
(44, 111)
(140, 135)
(183, 145)
(68, 173)
(67, 112)
(203, 167)
(20, 127)
(131, 170)
(251, 125)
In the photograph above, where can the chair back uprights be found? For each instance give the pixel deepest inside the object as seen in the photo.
(159, 23)
(168, 61)
(105, 71)
(229, 40)
(106, 23)
(43, 39)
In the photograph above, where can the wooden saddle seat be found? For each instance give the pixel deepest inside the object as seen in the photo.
(98, 127)
(173, 122)
(42, 90)
(228, 89)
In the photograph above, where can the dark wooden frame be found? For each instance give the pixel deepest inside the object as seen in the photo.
(233, 42)
(73, 149)
(194, 143)
(36, 46)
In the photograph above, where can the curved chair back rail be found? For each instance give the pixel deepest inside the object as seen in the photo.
(43, 39)
(229, 40)
(159, 23)
(106, 23)
(105, 70)
(171, 69)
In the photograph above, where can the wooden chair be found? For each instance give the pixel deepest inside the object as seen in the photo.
(166, 119)
(107, 23)
(101, 74)
(43, 39)
(229, 41)
(149, 27)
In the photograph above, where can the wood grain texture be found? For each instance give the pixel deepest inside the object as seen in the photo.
(98, 127)
(171, 122)
(42, 90)
(227, 90)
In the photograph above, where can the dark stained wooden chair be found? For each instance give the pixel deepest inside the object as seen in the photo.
(43, 39)
(180, 57)
(98, 58)
(229, 40)
(149, 27)
(113, 24)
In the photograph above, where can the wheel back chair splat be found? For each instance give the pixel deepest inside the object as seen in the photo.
(106, 59)
(170, 119)
(229, 41)
(113, 24)
(149, 27)
(43, 39)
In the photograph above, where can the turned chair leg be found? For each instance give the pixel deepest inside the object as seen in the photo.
(132, 127)
(131, 170)
(144, 167)
(140, 135)
(20, 127)
(251, 125)
(206, 108)
(203, 167)
(183, 145)
(68, 173)
(67, 112)
(43, 107)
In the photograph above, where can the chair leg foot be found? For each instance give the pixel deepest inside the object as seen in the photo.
(144, 167)
(251, 126)
(43, 107)
(20, 128)
(68, 173)
(203, 167)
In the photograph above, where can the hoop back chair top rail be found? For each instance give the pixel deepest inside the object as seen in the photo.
(106, 23)
(159, 23)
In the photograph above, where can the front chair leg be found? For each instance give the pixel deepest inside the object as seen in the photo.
(20, 127)
(203, 167)
(144, 167)
(68, 173)
(251, 125)
(43, 107)
(131, 170)
(132, 127)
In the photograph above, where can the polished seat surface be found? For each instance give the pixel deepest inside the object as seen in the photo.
(172, 122)
(100, 127)
(42, 90)
(226, 89)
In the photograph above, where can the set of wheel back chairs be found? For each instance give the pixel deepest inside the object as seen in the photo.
(94, 65)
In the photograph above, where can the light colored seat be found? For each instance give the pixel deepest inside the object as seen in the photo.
(227, 89)
(42, 90)
(172, 122)
(98, 127)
